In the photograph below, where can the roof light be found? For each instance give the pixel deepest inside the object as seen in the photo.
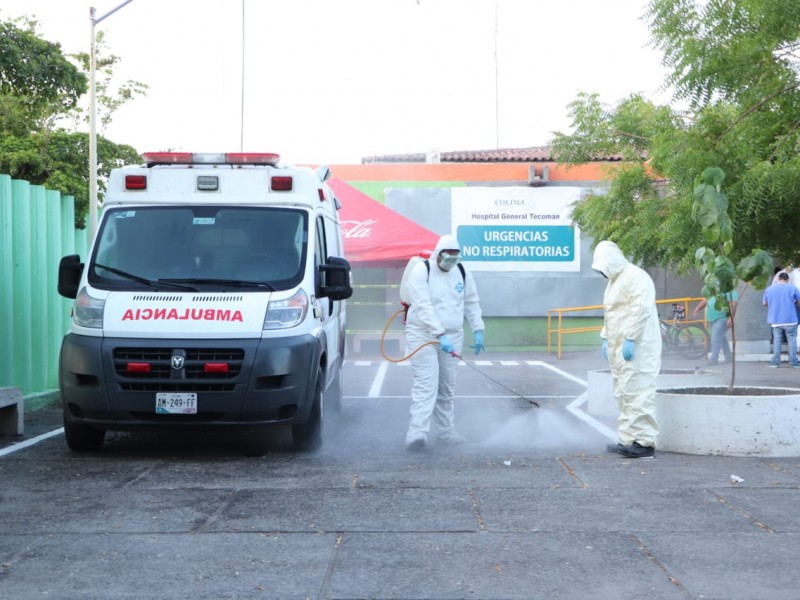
(252, 158)
(281, 183)
(135, 182)
(207, 158)
(175, 158)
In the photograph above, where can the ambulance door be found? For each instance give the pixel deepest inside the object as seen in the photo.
(324, 307)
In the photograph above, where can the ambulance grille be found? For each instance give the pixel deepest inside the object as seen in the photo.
(156, 298)
(217, 298)
(159, 361)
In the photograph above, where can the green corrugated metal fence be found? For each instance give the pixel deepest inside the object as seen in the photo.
(37, 228)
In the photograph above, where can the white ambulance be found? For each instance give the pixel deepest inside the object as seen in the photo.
(213, 295)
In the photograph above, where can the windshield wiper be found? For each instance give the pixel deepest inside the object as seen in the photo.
(224, 282)
(142, 280)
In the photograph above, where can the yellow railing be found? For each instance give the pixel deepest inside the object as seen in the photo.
(559, 330)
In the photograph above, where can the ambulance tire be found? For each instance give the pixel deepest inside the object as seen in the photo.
(333, 397)
(308, 436)
(82, 438)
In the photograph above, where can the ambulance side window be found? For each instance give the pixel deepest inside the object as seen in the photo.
(320, 252)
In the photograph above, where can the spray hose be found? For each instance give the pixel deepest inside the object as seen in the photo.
(383, 336)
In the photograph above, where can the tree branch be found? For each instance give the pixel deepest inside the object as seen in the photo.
(755, 107)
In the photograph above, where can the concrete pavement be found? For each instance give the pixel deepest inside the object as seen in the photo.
(531, 507)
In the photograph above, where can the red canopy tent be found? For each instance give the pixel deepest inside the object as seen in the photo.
(376, 234)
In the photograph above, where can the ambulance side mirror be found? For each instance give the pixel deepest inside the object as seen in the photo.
(335, 276)
(70, 270)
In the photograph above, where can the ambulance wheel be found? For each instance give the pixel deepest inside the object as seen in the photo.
(308, 436)
(82, 438)
(333, 398)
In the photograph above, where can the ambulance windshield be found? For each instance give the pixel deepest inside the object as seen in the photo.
(208, 248)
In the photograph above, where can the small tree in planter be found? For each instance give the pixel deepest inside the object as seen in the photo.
(720, 275)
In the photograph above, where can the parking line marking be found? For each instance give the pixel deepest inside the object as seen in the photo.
(574, 408)
(539, 363)
(377, 383)
(31, 442)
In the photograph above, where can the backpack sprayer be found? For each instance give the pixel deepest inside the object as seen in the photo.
(405, 303)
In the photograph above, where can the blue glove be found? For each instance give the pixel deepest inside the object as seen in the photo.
(478, 345)
(445, 345)
(627, 349)
(604, 349)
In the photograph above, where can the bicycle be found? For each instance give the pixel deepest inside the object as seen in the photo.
(690, 340)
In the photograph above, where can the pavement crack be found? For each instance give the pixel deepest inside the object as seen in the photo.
(476, 508)
(571, 472)
(653, 559)
(8, 564)
(144, 473)
(742, 512)
(780, 469)
(200, 525)
(325, 589)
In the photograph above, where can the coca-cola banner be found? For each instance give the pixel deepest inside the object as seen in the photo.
(374, 233)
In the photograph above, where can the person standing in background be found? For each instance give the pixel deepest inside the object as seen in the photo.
(718, 323)
(781, 300)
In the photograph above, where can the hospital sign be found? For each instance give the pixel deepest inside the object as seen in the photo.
(517, 228)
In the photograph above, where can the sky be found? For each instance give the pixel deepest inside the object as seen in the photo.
(334, 81)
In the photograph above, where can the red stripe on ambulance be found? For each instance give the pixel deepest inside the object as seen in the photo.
(188, 314)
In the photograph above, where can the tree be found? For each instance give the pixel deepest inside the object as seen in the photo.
(734, 66)
(36, 79)
(720, 275)
(40, 112)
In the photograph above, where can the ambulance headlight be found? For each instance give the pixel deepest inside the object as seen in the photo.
(88, 311)
(282, 314)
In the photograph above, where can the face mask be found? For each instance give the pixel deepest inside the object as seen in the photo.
(448, 261)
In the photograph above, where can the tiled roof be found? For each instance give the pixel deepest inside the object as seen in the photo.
(531, 154)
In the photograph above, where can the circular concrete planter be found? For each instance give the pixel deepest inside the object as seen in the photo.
(753, 421)
(601, 401)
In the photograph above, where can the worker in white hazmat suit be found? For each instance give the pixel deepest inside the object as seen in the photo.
(632, 345)
(441, 295)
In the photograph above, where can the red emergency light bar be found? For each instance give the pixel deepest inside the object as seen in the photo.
(252, 158)
(199, 158)
(176, 158)
(215, 368)
(138, 367)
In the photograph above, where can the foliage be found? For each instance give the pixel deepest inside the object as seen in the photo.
(39, 89)
(735, 67)
(720, 275)
(34, 74)
(58, 161)
(109, 98)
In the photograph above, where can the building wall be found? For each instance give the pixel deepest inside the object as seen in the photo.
(513, 303)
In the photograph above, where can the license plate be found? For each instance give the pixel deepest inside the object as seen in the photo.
(176, 403)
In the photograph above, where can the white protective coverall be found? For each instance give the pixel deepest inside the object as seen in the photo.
(439, 302)
(630, 313)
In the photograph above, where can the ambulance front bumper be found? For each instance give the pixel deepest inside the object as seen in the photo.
(114, 383)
